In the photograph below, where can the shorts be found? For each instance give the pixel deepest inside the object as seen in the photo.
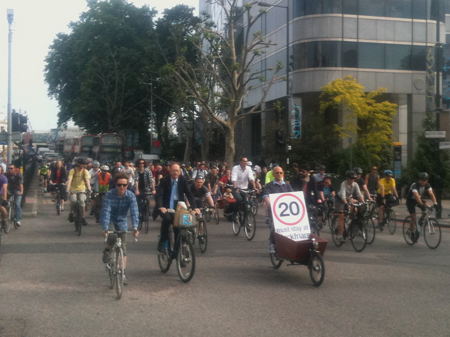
(380, 200)
(81, 196)
(339, 205)
(123, 236)
(411, 206)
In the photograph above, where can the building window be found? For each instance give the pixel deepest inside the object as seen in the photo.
(419, 58)
(312, 54)
(349, 55)
(330, 54)
(332, 6)
(313, 7)
(298, 8)
(419, 9)
(398, 56)
(399, 8)
(371, 7)
(371, 55)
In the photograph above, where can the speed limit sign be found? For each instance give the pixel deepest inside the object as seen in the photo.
(290, 216)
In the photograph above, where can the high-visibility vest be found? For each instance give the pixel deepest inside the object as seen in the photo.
(104, 178)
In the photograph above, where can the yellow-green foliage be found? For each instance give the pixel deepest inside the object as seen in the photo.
(367, 116)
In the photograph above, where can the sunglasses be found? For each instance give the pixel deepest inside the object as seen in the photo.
(10, 168)
(121, 185)
(278, 173)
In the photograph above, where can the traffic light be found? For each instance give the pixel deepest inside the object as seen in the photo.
(15, 120)
(23, 123)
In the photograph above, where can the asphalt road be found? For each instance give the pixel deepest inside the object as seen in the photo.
(52, 283)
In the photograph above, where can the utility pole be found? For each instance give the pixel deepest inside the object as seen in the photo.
(10, 17)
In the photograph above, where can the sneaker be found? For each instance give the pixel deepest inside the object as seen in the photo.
(125, 280)
(18, 224)
(163, 246)
(70, 218)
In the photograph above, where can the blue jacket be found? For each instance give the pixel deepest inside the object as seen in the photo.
(115, 210)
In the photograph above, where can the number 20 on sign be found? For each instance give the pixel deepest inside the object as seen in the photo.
(290, 216)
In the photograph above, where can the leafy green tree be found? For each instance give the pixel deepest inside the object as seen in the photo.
(98, 71)
(366, 122)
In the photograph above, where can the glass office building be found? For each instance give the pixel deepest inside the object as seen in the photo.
(382, 43)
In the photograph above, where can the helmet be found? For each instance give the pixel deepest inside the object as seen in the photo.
(104, 168)
(358, 170)
(81, 161)
(95, 164)
(423, 176)
(388, 173)
(350, 174)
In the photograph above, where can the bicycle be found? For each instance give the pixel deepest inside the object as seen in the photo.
(369, 216)
(428, 225)
(390, 217)
(200, 232)
(210, 213)
(253, 201)
(354, 228)
(115, 266)
(98, 198)
(144, 213)
(244, 217)
(181, 250)
(11, 214)
(78, 214)
(58, 198)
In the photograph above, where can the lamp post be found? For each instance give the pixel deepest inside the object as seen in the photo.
(288, 84)
(10, 17)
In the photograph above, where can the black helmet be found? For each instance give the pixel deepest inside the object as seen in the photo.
(423, 176)
(358, 170)
(350, 174)
(81, 161)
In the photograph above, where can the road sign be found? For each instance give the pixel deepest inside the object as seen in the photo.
(435, 134)
(290, 216)
(444, 145)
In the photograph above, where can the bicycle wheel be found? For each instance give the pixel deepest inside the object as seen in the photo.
(316, 269)
(409, 236)
(164, 261)
(202, 236)
(334, 228)
(58, 207)
(432, 233)
(207, 215)
(216, 215)
(185, 260)
(235, 224)
(391, 221)
(371, 231)
(250, 227)
(111, 271)
(146, 218)
(358, 236)
(9, 221)
(78, 220)
(254, 207)
(276, 262)
(120, 273)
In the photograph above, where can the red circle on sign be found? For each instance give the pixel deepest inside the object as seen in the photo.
(299, 201)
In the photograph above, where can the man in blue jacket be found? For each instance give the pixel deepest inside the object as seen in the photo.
(116, 204)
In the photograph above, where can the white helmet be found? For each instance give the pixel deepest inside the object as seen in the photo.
(104, 168)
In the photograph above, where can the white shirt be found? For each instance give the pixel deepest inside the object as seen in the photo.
(241, 176)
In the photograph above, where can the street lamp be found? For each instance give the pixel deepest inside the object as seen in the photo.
(10, 17)
(288, 84)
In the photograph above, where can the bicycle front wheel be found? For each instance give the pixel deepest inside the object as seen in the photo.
(202, 236)
(216, 215)
(250, 227)
(185, 260)
(334, 231)
(358, 236)
(371, 231)
(408, 235)
(120, 273)
(58, 207)
(235, 224)
(316, 269)
(391, 221)
(276, 262)
(432, 233)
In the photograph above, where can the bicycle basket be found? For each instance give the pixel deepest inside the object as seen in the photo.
(186, 220)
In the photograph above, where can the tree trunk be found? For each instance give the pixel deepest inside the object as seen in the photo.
(205, 143)
(230, 145)
(188, 147)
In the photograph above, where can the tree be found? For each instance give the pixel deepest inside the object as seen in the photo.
(365, 118)
(98, 70)
(221, 77)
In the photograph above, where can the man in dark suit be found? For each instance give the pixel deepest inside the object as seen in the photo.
(172, 189)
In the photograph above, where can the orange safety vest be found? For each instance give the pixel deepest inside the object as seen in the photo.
(104, 178)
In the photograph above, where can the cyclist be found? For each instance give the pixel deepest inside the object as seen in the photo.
(212, 182)
(326, 190)
(362, 183)
(58, 178)
(3, 195)
(278, 185)
(348, 193)
(104, 179)
(116, 205)
(78, 183)
(372, 180)
(386, 194)
(172, 189)
(129, 171)
(200, 193)
(93, 173)
(416, 193)
(43, 173)
(144, 185)
(241, 176)
(15, 188)
(320, 176)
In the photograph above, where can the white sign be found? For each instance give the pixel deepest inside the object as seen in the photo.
(435, 134)
(290, 216)
(444, 145)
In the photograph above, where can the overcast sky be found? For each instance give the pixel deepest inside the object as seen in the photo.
(36, 23)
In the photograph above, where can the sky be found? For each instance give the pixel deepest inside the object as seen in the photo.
(36, 23)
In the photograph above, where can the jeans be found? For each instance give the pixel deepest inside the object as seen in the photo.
(18, 202)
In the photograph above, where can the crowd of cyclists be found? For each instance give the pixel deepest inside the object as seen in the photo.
(122, 188)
